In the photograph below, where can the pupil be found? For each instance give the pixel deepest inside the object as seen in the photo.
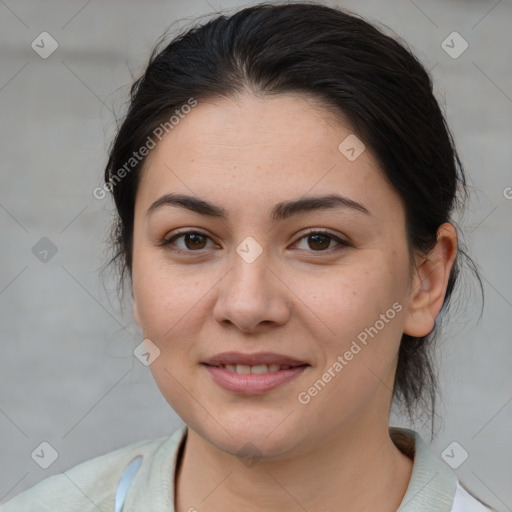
(193, 239)
(318, 239)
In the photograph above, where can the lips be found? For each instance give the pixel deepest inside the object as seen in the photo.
(253, 383)
(257, 373)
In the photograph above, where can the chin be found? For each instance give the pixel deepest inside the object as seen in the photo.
(252, 435)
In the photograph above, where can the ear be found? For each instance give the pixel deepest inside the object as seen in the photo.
(429, 283)
(135, 311)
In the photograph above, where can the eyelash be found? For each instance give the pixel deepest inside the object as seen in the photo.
(341, 243)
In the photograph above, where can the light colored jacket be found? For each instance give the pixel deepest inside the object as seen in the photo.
(91, 486)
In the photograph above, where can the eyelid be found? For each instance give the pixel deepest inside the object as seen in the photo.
(323, 231)
(181, 232)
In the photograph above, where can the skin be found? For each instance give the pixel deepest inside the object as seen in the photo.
(305, 300)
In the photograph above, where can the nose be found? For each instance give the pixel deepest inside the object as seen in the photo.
(252, 296)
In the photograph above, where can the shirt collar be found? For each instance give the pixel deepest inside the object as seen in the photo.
(431, 488)
(433, 484)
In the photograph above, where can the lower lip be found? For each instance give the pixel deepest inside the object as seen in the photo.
(252, 383)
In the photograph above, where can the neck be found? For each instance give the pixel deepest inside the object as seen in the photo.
(355, 468)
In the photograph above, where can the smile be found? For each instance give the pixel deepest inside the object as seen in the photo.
(248, 380)
(245, 369)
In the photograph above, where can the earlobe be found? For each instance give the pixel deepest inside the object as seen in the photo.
(430, 282)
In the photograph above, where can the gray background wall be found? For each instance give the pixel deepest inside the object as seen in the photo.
(68, 375)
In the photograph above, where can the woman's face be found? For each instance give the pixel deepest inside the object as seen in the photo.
(260, 278)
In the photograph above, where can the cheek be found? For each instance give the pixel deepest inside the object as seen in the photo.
(173, 302)
(161, 292)
(168, 308)
(364, 315)
(359, 313)
(346, 299)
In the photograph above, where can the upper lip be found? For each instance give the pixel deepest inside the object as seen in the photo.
(253, 359)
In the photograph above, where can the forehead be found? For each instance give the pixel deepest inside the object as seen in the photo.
(238, 126)
(274, 147)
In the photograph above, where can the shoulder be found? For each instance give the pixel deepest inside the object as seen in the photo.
(87, 486)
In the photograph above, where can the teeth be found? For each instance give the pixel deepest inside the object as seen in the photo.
(260, 368)
(256, 369)
(243, 368)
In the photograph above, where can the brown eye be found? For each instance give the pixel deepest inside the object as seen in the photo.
(188, 241)
(194, 241)
(320, 241)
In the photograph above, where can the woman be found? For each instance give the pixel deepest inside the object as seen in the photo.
(284, 181)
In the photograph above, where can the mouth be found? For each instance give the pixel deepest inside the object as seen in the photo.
(253, 374)
(258, 369)
(259, 360)
(254, 379)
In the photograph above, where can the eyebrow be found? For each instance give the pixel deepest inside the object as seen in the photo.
(280, 211)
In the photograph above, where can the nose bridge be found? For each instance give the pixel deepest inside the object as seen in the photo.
(249, 295)
(249, 277)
